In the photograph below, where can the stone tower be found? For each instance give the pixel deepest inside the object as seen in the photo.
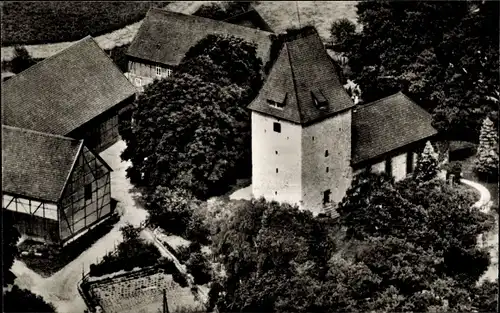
(301, 128)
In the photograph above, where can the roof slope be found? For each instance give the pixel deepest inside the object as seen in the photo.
(388, 124)
(36, 164)
(302, 68)
(250, 18)
(165, 37)
(61, 93)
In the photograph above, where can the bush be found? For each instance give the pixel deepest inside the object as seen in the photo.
(455, 169)
(199, 267)
(46, 22)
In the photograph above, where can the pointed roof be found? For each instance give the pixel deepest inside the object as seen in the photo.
(387, 124)
(164, 36)
(64, 91)
(36, 165)
(303, 71)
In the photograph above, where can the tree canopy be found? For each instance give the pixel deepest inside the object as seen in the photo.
(442, 54)
(22, 60)
(411, 246)
(192, 130)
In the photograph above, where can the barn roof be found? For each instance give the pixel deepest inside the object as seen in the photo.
(306, 74)
(36, 165)
(164, 36)
(388, 124)
(61, 93)
(250, 18)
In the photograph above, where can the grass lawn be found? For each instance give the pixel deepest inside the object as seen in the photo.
(281, 15)
(48, 22)
(54, 259)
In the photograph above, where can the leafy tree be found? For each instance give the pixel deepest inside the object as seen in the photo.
(486, 163)
(192, 131)
(485, 296)
(22, 300)
(198, 266)
(22, 60)
(444, 54)
(427, 164)
(341, 31)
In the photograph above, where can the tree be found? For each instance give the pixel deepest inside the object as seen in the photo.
(449, 64)
(341, 31)
(199, 267)
(22, 60)
(427, 164)
(192, 130)
(486, 163)
(485, 296)
(22, 300)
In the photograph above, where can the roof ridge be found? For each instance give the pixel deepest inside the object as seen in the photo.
(166, 12)
(362, 106)
(26, 130)
(294, 82)
(38, 64)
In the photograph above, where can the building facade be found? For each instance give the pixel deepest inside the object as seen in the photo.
(53, 188)
(309, 139)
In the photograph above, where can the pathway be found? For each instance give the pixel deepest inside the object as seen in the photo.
(490, 239)
(107, 41)
(61, 288)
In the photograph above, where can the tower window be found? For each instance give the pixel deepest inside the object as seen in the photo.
(326, 196)
(276, 193)
(326, 153)
(313, 138)
(276, 170)
(277, 127)
(276, 152)
(327, 169)
(88, 192)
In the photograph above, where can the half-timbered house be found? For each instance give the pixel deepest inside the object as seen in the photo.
(54, 188)
(164, 38)
(76, 93)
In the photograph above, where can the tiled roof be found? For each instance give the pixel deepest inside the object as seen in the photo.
(302, 68)
(61, 93)
(165, 37)
(36, 164)
(388, 124)
(250, 18)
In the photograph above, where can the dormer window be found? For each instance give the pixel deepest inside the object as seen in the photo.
(319, 99)
(277, 100)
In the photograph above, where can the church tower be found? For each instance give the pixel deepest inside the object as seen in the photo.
(301, 128)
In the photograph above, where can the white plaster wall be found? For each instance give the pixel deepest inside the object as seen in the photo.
(378, 167)
(399, 166)
(334, 135)
(284, 186)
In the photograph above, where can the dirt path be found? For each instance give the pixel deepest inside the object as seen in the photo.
(61, 288)
(107, 41)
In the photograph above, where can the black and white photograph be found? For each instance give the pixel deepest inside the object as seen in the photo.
(250, 156)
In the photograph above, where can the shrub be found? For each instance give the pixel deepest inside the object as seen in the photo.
(486, 164)
(427, 164)
(199, 267)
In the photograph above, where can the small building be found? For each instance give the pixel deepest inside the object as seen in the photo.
(250, 18)
(53, 187)
(164, 38)
(77, 93)
(309, 139)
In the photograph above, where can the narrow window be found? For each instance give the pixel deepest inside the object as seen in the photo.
(409, 162)
(327, 169)
(276, 193)
(276, 170)
(326, 153)
(276, 152)
(158, 71)
(388, 167)
(169, 72)
(326, 196)
(88, 191)
(277, 127)
(313, 138)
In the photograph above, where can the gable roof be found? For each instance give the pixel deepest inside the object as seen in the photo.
(164, 36)
(250, 18)
(61, 93)
(303, 66)
(388, 124)
(36, 164)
